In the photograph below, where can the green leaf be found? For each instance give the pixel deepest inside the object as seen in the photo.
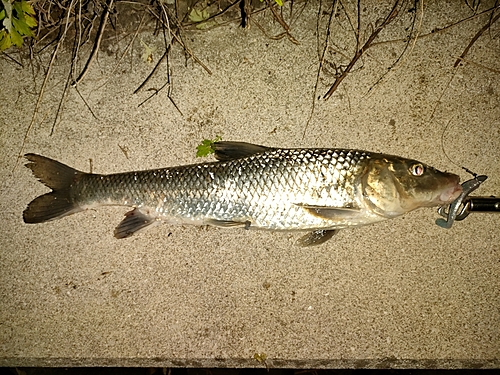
(16, 38)
(5, 41)
(206, 148)
(279, 2)
(198, 15)
(30, 21)
(21, 27)
(2, 14)
(27, 7)
(148, 53)
(18, 8)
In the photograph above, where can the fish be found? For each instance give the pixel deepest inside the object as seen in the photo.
(318, 190)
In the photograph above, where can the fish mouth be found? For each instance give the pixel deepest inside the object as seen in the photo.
(451, 193)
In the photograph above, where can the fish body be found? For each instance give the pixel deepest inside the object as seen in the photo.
(254, 187)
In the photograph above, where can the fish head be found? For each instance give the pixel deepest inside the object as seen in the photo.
(393, 186)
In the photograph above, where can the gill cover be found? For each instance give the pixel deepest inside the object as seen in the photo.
(380, 188)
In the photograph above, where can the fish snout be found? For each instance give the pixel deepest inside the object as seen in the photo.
(452, 191)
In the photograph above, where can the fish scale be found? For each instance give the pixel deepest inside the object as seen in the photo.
(253, 187)
(235, 190)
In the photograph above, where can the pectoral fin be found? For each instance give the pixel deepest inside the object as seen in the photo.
(225, 151)
(316, 238)
(331, 212)
(134, 221)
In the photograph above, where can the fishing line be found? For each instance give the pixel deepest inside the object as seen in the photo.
(445, 154)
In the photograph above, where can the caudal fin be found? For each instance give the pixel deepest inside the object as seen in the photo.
(58, 203)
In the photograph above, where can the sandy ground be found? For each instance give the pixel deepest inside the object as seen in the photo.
(402, 293)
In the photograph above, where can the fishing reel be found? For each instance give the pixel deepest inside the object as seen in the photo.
(461, 207)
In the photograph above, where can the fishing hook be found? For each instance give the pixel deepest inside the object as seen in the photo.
(460, 208)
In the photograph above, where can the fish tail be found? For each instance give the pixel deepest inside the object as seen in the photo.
(60, 178)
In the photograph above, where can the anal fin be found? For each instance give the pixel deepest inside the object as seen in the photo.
(134, 221)
(316, 237)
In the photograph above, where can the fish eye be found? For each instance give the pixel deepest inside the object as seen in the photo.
(417, 169)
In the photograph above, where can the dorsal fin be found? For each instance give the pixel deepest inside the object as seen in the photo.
(225, 151)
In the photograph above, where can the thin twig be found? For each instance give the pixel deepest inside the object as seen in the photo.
(44, 84)
(45, 46)
(282, 22)
(12, 59)
(229, 6)
(479, 65)
(399, 61)
(164, 56)
(360, 52)
(277, 16)
(190, 53)
(295, 17)
(321, 60)
(356, 29)
(186, 49)
(475, 38)
(86, 104)
(126, 50)
(93, 53)
(155, 92)
(76, 44)
(358, 33)
(60, 106)
(272, 37)
(168, 45)
(440, 29)
(441, 96)
(168, 42)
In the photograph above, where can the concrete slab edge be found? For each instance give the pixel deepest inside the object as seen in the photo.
(381, 363)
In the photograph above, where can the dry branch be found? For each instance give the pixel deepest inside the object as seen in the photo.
(281, 21)
(164, 56)
(440, 29)
(321, 58)
(100, 32)
(62, 34)
(409, 45)
(475, 38)
(360, 51)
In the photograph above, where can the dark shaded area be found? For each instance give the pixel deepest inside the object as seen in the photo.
(196, 371)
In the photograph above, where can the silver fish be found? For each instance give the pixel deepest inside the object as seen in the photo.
(253, 187)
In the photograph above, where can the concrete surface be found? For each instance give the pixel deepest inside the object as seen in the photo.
(403, 293)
